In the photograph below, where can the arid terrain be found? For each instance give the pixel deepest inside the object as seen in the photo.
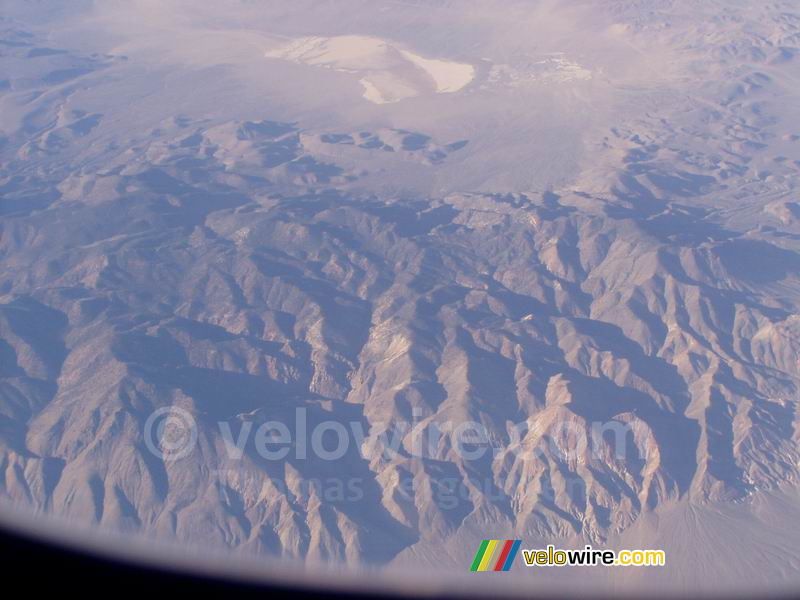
(550, 213)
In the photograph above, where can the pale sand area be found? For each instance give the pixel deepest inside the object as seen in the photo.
(388, 74)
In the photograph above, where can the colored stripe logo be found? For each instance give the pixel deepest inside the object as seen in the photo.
(495, 555)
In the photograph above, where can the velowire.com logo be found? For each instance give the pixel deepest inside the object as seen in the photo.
(495, 555)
